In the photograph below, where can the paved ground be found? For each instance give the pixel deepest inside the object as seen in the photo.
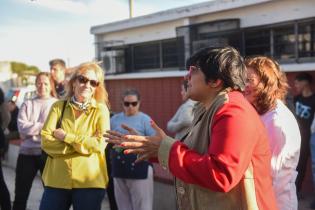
(37, 190)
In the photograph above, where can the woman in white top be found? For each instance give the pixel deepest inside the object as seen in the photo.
(266, 89)
(183, 117)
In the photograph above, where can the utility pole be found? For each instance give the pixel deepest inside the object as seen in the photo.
(130, 8)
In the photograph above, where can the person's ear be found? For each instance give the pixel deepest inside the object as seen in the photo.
(215, 83)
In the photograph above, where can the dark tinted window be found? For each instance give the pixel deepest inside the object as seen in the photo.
(257, 42)
(284, 42)
(306, 39)
(170, 53)
(147, 56)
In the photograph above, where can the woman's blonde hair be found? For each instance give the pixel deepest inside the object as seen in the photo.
(100, 94)
(272, 85)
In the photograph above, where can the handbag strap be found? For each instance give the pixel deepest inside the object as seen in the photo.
(61, 116)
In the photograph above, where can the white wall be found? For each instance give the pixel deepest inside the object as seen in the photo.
(163, 30)
(259, 14)
(267, 13)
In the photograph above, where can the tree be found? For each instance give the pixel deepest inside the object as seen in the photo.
(21, 68)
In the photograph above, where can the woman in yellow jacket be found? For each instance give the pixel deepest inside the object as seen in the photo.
(75, 172)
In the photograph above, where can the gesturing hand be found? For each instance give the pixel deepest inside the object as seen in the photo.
(129, 129)
(145, 146)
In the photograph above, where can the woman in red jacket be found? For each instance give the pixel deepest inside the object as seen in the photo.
(223, 162)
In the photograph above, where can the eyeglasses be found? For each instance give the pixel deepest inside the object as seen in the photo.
(127, 103)
(84, 80)
(190, 71)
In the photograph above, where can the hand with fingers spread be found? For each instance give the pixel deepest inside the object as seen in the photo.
(144, 146)
(129, 173)
(130, 130)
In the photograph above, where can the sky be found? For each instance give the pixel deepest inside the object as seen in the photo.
(36, 31)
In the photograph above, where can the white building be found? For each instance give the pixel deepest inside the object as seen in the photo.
(283, 29)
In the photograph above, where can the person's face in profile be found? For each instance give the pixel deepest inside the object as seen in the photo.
(197, 88)
(183, 93)
(300, 85)
(11, 106)
(251, 85)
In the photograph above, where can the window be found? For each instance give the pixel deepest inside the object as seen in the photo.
(293, 41)
(234, 40)
(306, 39)
(159, 55)
(257, 42)
(284, 42)
(219, 40)
(170, 54)
(288, 42)
(206, 30)
(147, 56)
(216, 34)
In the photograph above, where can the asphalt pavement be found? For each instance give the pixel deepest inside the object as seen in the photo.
(37, 191)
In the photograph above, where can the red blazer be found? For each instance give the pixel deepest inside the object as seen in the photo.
(238, 137)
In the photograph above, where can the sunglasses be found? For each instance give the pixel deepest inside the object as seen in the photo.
(127, 104)
(84, 80)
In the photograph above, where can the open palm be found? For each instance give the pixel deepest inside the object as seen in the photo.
(144, 146)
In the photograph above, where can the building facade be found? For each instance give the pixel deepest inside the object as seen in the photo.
(153, 48)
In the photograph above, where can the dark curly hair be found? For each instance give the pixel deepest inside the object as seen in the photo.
(224, 63)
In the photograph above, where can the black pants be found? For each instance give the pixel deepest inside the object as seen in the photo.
(110, 187)
(5, 202)
(26, 170)
(304, 156)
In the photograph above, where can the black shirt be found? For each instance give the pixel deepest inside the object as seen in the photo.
(13, 122)
(304, 111)
(60, 89)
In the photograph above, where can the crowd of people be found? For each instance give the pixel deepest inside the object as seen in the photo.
(236, 144)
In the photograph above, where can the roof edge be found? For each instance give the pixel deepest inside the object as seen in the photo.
(174, 14)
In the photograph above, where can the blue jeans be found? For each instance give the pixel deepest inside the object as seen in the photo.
(81, 199)
(312, 147)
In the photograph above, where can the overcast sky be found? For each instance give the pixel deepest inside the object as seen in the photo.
(35, 31)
